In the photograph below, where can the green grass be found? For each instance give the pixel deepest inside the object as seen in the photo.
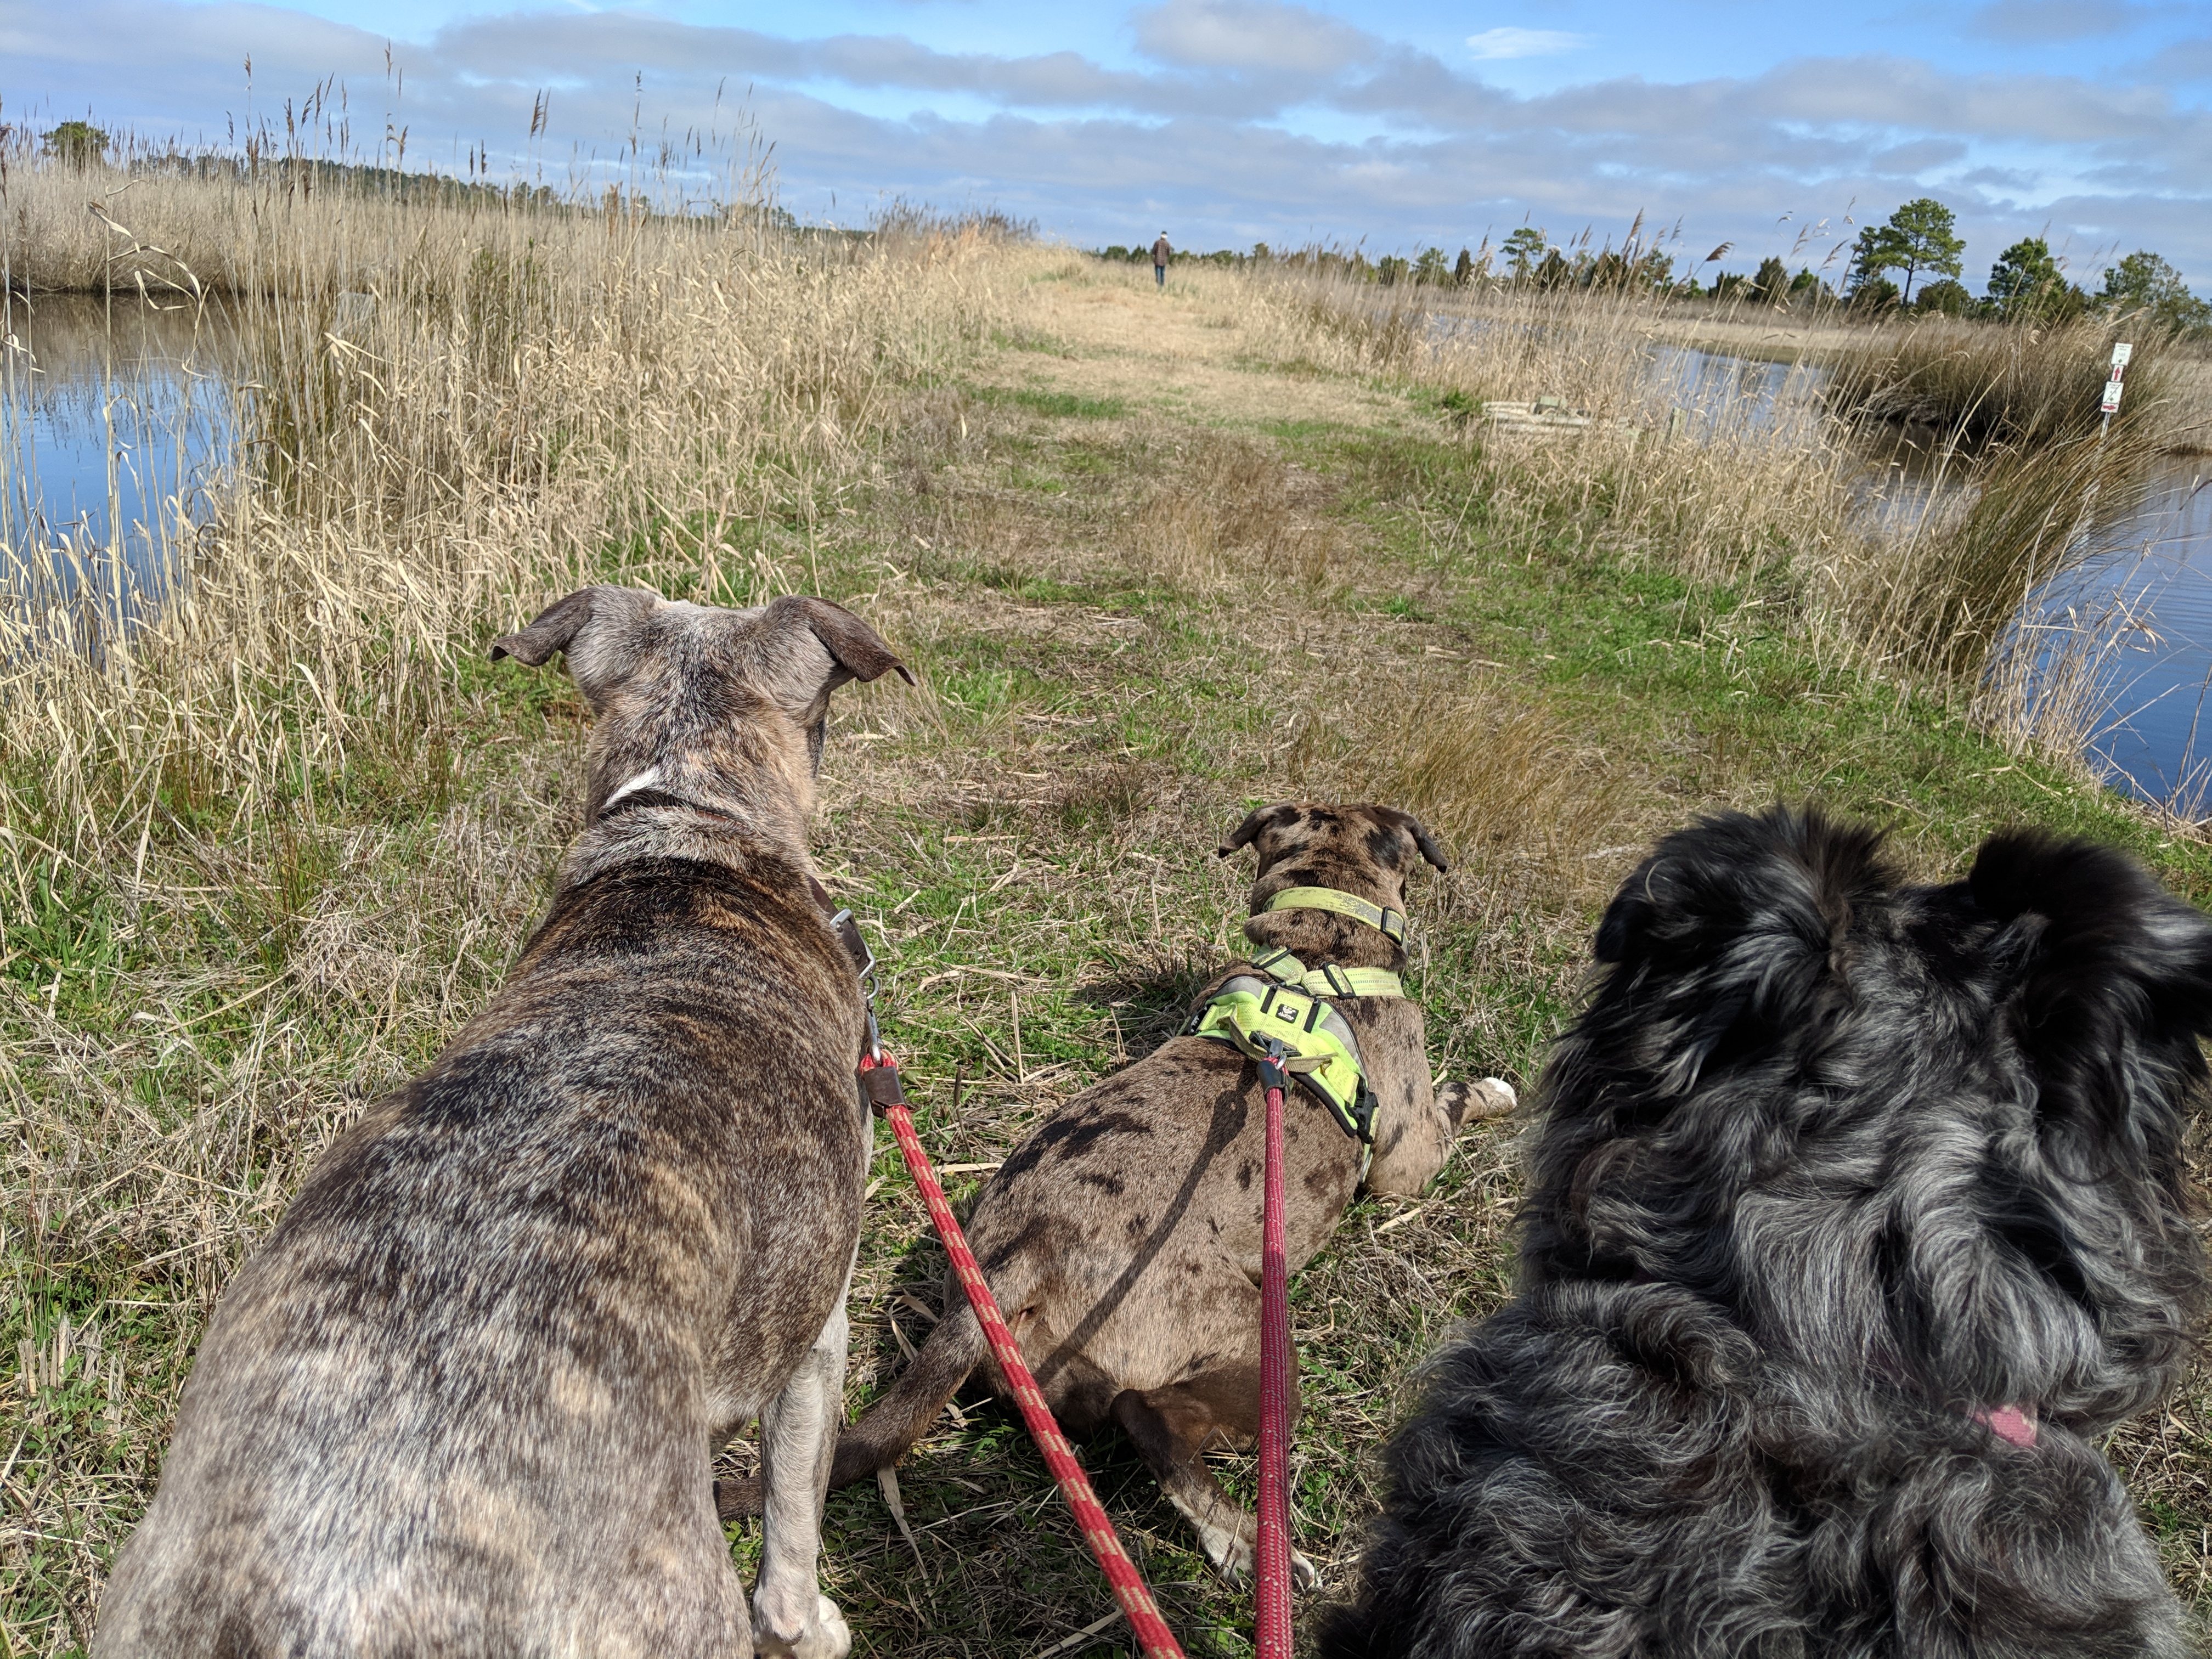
(1029, 841)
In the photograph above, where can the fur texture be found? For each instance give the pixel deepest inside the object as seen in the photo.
(461, 1403)
(1122, 1238)
(1833, 1170)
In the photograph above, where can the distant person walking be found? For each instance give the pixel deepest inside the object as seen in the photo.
(1160, 252)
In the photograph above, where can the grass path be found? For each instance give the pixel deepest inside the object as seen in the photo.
(1150, 578)
(1157, 583)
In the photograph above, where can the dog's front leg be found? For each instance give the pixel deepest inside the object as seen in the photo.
(799, 1439)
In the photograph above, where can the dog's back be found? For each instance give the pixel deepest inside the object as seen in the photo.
(432, 1415)
(1857, 1216)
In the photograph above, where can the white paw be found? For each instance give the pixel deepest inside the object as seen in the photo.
(1234, 1558)
(1492, 1096)
(832, 1637)
(825, 1635)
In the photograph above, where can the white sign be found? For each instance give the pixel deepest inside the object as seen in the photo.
(2113, 394)
(2121, 353)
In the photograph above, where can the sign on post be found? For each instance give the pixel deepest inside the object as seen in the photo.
(2121, 353)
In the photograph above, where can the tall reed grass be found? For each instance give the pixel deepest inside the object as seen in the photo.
(1729, 472)
(448, 413)
(2022, 386)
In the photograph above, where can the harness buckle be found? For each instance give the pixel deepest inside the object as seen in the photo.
(1273, 1073)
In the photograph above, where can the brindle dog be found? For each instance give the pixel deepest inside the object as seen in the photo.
(461, 1404)
(1122, 1238)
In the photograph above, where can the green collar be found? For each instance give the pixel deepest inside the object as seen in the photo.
(1391, 924)
(1328, 980)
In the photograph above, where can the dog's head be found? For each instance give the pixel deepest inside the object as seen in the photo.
(1365, 851)
(1933, 1130)
(716, 705)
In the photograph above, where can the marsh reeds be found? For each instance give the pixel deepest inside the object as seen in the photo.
(1731, 472)
(1978, 385)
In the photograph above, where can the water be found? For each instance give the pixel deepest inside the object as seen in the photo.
(2157, 739)
(111, 435)
(1721, 395)
(2155, 591)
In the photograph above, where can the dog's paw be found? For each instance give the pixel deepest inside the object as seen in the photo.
(1492, 1096)
(1233, 1558)
(832, 1637)
(825, 1635)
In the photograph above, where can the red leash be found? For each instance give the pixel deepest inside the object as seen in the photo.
(1272, 1562)
(879, 1081)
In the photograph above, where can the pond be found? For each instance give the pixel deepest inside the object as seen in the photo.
(2157, 737)
(113, 430)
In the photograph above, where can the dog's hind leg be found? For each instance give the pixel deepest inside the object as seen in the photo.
(1173, 1428)
(799, 1439)
(903, 1415)
(898, 1419)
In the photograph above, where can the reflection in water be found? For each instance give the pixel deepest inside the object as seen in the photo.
(2157, 739)
(112, 432)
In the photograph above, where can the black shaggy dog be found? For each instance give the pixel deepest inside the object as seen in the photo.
(1857, 1215)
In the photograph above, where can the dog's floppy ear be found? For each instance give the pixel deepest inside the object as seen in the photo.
(1413, 827)
(852, 644)
(1259, 818)
(554, 627)
(2115, 982)
(1721, 939)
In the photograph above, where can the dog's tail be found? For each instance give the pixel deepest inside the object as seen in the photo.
(903, 1416)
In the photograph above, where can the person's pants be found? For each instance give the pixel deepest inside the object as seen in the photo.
(1160, 274)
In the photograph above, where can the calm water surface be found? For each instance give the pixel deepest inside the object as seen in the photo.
(2157, 739)
(113, 426)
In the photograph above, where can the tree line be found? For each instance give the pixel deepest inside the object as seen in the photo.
(2026, 283)
(1919, 242)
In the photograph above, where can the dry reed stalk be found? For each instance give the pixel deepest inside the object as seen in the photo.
(2016, 385)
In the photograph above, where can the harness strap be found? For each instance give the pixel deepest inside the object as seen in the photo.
(1328, 980)
(1391, 923)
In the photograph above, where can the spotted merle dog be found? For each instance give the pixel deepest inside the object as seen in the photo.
(1857, 1216)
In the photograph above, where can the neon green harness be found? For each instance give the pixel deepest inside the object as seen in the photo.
(1291, 1021)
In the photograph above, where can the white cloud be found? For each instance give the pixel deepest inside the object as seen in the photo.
(2038, 22)
(1215, 127)
(1251, 35)
(1523, 43)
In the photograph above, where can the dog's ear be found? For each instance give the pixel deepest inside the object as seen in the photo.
(554, 627)
(1719, 944)
(853, 646)
(1413, 827)
(1256, 822)
(2114, 982)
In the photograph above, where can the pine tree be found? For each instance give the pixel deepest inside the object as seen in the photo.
(1920, 238)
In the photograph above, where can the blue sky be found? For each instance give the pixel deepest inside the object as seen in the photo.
(1773, 128)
